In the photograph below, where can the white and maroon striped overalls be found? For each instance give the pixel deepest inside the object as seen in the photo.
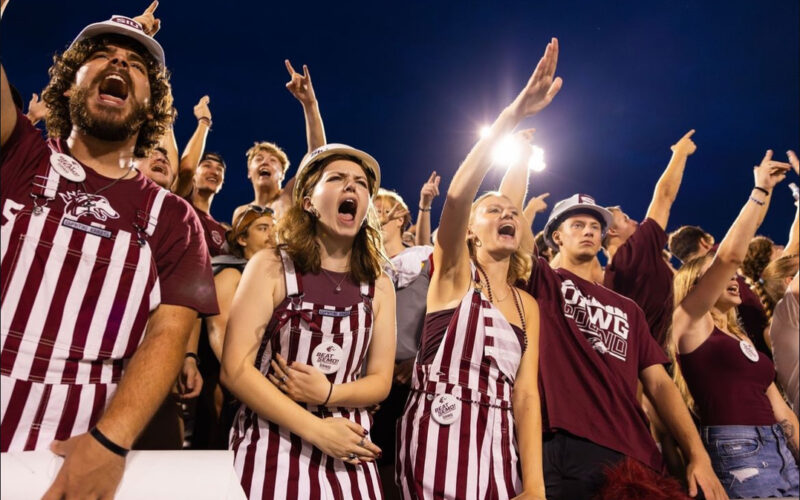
(74, 309)
(474, 457)
(271, 461)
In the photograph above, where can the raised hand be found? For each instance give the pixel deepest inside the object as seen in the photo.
(397, 212)
(429, 191)
(793, 161)
(201, 109)
(37, 109)
(537, 204)
(303, 383)
(542, 87)
(300, 85)
(148, 20)
(685, 146)
(770, 172)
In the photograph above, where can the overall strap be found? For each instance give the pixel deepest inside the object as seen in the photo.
(45, 182)
(294, 285)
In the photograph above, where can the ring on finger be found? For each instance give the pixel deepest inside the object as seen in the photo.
(361, 443)
(352, 456)
(283, 379)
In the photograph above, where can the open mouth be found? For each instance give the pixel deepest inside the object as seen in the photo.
(159, 167)
(113, 89)
(733, 289)
(212, 179)
(264, 172)
(347, 210)
(507, 230)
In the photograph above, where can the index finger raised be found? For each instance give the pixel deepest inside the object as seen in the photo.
(152, 8)
(688, 134)
(289, 67)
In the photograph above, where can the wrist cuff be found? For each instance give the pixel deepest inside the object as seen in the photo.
(107, 443)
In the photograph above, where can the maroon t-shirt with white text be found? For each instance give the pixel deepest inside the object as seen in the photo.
(638, 271)
(593, 343)
(213, 231)
(178, 252)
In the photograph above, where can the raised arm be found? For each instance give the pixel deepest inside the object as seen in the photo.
(194, 148)
(37, 109)
(253, 304)
(429, 191)
(450, 251)
(667, 186)
(535, 205)
(301, 87)
(515, 181)
(733, 247)
(793, 244)
(8, 112)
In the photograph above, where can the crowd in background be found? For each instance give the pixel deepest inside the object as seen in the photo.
(346, 343)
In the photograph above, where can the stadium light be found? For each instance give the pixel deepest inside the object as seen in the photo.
(508, 150)
(484, 131)
(536, 162)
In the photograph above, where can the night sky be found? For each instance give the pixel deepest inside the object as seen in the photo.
(412, 82)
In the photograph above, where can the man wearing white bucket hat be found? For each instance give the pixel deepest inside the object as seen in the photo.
(103, 271)
(595, 346)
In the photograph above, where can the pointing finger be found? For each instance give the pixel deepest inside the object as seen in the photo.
(689, 134)
(152, 8)
(289, 67)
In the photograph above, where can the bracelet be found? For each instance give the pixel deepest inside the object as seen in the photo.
(206, 120)
(757, 201)
(330, 391)
(762, 190)
(424, 209)
(193, 356)
(107, 443)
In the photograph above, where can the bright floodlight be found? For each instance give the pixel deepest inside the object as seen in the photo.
(536, 162)
(506, 151)
(484, 131)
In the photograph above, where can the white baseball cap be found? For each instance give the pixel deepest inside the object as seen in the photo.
(577, 203)
(124, 26)
(312, 160)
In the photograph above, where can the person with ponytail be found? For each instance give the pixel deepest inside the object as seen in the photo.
(746, 426)
(310, 340)
(472, 424)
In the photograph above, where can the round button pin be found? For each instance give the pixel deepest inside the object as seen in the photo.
(445, 409)
(67, 167)
(327, 357)
(748, 350)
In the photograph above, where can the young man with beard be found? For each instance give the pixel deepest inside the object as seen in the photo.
(103, 272)
(594, 347)
(636, 267)
(267, 163)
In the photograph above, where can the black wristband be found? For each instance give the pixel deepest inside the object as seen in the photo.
(330, 391)
(193, 356)
(107, 443)
(424, 209)
(762, 190)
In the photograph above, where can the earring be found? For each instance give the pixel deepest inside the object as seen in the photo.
(478, 242)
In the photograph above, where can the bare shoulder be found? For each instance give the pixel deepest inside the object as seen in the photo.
(267, 262)
(384, 288)
(527, 300)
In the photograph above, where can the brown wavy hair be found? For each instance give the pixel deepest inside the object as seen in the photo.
(771, 287)
(297, 233)
(683, 282)
(758, 256)
(62, 77)
(519, 268)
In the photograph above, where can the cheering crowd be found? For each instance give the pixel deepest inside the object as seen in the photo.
(343, 348)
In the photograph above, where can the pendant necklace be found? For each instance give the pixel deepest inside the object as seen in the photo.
(338, 285)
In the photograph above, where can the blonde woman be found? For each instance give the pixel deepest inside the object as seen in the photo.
(472, 425)
(305, 322)
(747, 427)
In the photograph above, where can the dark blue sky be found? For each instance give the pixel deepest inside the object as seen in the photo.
(411, 83)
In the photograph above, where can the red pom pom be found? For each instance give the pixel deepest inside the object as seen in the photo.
(632, 480)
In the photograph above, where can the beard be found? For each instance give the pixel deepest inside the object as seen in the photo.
(107, 126)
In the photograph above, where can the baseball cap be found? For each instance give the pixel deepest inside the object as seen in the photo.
(313, 160)
(580, 203)
(124, 26)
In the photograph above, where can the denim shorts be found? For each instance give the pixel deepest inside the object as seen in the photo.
(752, 461)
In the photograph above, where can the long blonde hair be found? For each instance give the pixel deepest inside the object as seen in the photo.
(519, 267)
(683, 281)
(297, 232)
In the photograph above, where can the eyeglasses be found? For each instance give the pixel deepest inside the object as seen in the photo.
(262, 211)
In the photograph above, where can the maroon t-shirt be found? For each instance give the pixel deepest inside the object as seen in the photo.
(752, 316)
(728, 388)
(180, 257)
(638, 271)
(213, 231)
(593, 343)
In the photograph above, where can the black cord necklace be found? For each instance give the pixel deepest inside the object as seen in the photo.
(514, 293)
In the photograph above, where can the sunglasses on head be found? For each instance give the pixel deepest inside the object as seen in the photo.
(262, 211)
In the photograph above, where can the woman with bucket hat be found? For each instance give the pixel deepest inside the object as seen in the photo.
(310, 340)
